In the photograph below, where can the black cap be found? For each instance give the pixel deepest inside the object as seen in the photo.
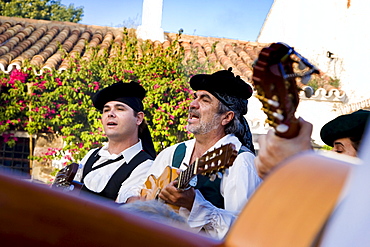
(349, 125)
(131, 94)
(224, 82)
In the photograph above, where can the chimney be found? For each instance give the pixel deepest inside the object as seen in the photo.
(151, 22)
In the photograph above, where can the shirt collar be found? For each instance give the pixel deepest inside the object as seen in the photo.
(128, 153)
(229, 138)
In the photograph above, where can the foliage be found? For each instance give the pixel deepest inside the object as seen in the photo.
(41, 9)
(321, 81)
(326, 147)
(60, 103)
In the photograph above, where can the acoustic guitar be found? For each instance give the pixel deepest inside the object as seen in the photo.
(210, 164)
(293, 204)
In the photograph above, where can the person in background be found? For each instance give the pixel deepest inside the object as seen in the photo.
(345, 132)
(113, 170)
(216, 117)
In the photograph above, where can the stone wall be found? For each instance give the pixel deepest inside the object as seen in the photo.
(41, 170)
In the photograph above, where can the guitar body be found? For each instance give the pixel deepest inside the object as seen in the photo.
(293, 204)
(209, 164)
(154, 185)
(32, 214)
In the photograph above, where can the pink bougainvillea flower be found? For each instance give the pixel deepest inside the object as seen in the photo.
(17, 75)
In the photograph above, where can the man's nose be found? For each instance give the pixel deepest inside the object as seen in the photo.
(111, 113)
(194, 104)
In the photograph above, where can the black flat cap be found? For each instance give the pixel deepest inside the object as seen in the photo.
(120, 91)
(349, 125)
(223, 82)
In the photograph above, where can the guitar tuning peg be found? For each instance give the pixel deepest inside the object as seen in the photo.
(278, 116)
(282, 128)
(308, 91)
(305, 79)
(219, 175)
(254, 63)
(212, 177)
(226, 171)
(301, 65)
(273, 103)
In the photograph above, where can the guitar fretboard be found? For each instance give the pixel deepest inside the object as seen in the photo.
(187, 175)
(211, 162)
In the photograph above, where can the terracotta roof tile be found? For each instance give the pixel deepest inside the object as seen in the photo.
(38, 41)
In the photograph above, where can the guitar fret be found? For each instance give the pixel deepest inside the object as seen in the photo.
(187, 175)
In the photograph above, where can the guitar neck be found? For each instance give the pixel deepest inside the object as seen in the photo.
(210, 163)
(186, 175)
(291, 132)
(275, 77)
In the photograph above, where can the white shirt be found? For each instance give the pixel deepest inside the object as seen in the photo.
(96, 180)
(236, 187)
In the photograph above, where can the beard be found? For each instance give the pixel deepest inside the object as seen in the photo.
(204, 127)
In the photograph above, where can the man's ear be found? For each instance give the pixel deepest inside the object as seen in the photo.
(228, 117)
(140, 118)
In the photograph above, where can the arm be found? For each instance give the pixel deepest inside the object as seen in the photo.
(199, 212)
(182, 198)
(156, 169)
(132, 186)
(274, 149)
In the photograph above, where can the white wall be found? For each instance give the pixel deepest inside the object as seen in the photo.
(315, 27)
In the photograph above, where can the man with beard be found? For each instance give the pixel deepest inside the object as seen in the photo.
(113, 170)
(216, 117)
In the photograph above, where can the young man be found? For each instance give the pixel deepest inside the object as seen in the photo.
(122, 163)
(345, 132)
(216, 117)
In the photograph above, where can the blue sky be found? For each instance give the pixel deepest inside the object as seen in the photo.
(235, 19)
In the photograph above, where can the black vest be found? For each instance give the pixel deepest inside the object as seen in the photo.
(119, 176)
